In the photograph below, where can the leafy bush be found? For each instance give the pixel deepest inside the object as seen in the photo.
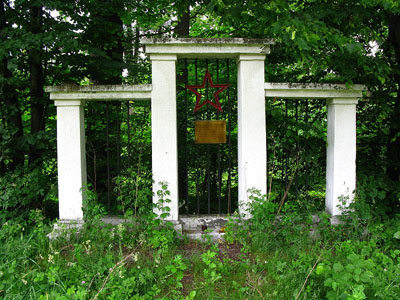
(134, 193)
(360, 271)
(24, 189)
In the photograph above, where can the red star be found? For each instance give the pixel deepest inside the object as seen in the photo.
(220, 87)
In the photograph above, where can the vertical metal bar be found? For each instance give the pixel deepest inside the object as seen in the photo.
(229, 183)
(208, 157)
(108, 157)
(282, 156)
(186, 72)
(307, 173)
(198, 168)
(218, 155)
(297, 148)
(196, 70)
(118, 138)
(286, 144)
(129, 131)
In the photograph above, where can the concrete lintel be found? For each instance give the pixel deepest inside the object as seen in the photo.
(69, 102)
(342, 101)
(251, 57)
(206, 48)
(316, 91)
(163, 57)
(100, 92)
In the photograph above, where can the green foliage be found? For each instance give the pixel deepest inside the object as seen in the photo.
(211, 274)
(271, 224)
(131, 260)
(316, 41)
(280, 258)
(24, 189)
(360, 272)
(92, 209)
(134, 193)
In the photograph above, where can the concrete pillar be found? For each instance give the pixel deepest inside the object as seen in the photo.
(71, 156)
(252, 145)
(164, 129)
(341, 153)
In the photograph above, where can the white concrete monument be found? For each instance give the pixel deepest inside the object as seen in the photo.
(252, 90)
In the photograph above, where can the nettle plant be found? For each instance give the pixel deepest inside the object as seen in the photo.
(133, 193)
(359, 270)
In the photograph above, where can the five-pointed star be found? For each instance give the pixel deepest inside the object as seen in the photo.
(207, 78)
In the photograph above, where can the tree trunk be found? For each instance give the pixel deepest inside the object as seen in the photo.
(37, 100)
(393, 145)
(182, 28)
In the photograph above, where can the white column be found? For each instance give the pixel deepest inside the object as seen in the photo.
(164, 129)
(341, 153)
(252, 145)
(71, 158)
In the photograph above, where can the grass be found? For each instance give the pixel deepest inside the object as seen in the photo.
(259, 260)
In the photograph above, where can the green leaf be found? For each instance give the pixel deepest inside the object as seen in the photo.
(350, 267)
(30, 139)
(337, 267)
(192, 294)
(381, 79)
(320, 269)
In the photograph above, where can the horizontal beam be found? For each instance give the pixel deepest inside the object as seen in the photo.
(100, 92)
(312, 91)
(207, 48)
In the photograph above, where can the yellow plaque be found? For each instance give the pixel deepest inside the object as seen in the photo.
(210, 132)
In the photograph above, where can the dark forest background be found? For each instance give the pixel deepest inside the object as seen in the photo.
(53, 42)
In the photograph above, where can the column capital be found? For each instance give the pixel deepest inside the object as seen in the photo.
(342, 101)
(163, 57)
(251, 57)
(72, 102)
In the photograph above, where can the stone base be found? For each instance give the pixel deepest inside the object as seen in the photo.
(198, 227)
(205, 228)
(203, 222)
(64, 225)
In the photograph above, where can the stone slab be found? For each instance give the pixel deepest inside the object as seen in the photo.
(207, 48)
(312, 91)
(100, 92)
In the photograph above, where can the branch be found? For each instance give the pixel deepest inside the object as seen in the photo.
(121, 262)
(308, 275)
(289, 185)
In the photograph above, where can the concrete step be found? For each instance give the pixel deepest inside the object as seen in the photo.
(203, 222)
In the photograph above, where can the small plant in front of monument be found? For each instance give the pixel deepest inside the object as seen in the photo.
(134, 193)
(93, 211)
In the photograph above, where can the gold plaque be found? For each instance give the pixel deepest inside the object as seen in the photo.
(210, 132)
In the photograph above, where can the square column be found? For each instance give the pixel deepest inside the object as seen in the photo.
(341, 154)
(252, 142)
(71, 156)
(164, 129)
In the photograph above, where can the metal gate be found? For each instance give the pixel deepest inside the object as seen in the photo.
(118, 147)
(296, 159)
(208, 176)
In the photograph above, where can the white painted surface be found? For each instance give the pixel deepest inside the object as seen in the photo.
(207, 48)
(341, 153)
(100, 92)
(311, 90)
(164, 130)
(71, 158)
(252, 145)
